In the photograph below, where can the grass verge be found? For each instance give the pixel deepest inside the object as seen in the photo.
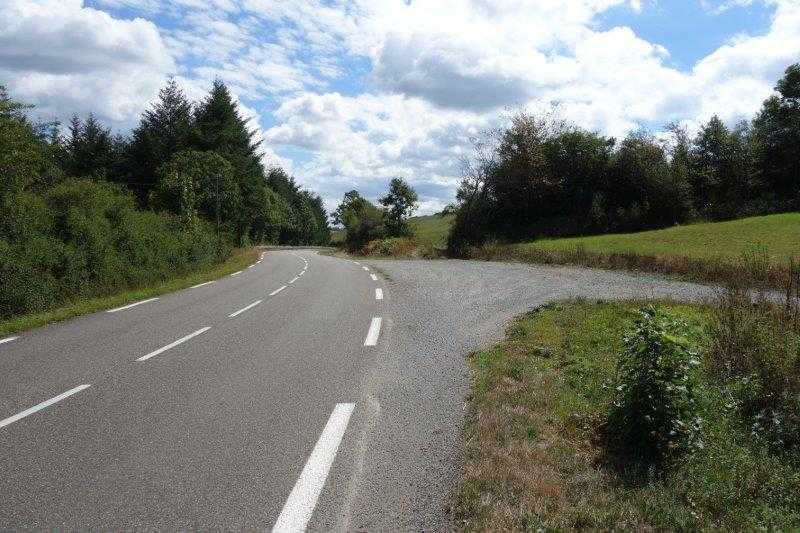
(759, 248)
(535, 455)
(239, 259)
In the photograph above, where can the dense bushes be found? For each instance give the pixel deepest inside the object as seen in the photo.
(364, 222)
(85, 238)
(545, 177)
(91, 214)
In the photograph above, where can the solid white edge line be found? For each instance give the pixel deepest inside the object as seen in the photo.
(374, 332)
(243, 309)
(379, 294)
(39, 407)
(295, 279)
(131, 305)
(302, 500)
(236, 273)
(276, 291)
(201, 284)
(174, 344)
(302, 272)
(374, 277)
(8, 339)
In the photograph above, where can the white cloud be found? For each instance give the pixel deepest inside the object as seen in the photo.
(67, 59)
(431, 74)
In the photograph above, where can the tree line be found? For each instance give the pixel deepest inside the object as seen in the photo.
(546, 177)
(364, 222)
(85, 213)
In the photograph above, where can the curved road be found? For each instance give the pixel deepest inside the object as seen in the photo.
(305, 391)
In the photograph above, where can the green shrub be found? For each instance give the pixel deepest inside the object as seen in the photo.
(83, 238)
(656, 413)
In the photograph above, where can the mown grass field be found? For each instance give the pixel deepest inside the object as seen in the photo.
(778, 236)
(535, 457)
(239, 259)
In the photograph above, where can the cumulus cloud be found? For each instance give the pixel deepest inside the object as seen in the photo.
(359, 91)
(67, 58)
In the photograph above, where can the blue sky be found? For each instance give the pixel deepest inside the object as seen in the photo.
(348, 94)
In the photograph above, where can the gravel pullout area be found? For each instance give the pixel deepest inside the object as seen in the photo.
(438, 312)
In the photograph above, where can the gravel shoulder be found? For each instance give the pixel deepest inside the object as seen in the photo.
(407, 456)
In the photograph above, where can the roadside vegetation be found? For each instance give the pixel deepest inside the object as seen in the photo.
(542, 177)
(599, 415)
(381, 231)
(238, 259)
(88, 215)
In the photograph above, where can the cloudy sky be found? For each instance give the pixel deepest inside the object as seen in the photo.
(347, 94)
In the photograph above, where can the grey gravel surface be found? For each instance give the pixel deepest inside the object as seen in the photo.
(214, 433)
(440, 312)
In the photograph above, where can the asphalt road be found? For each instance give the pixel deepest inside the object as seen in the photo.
(238, 404)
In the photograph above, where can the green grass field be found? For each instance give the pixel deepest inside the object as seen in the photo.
(776, 235)
(432, 229)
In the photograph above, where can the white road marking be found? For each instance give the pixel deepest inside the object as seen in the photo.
(374, 277)
(302, 272)
(174, 344)
(8, 339)
(131, 305)
(379, 294)
(295, 279)
(242, 310)
(276, 291)
(236, 273)
(356, 262)
(302, 500)
(373, 333)
(365, 268)
(47, 403)
(201, 284)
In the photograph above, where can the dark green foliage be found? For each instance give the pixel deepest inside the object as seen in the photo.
(90, 150)
(306, 221)
(85, 238)
(63, 238)
(547, 178)
(363, 221)
(655, 414)
(165, 129)
(400, 204)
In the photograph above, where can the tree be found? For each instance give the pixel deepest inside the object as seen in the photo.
(220, 128)
(164, 130)
(194, 184)
(362, 221)
(90, 150)
(400, 204)
(777, 132)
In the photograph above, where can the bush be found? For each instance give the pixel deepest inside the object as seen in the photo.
(400, 247)
(84, 238)
(655, 415)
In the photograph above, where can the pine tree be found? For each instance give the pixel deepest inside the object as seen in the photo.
(165, 129)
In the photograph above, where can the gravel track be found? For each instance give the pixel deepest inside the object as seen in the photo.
(439, 311)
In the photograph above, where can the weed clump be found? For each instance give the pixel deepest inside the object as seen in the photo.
(656, 411)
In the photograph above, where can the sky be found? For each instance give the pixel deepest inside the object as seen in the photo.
(349, 94)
